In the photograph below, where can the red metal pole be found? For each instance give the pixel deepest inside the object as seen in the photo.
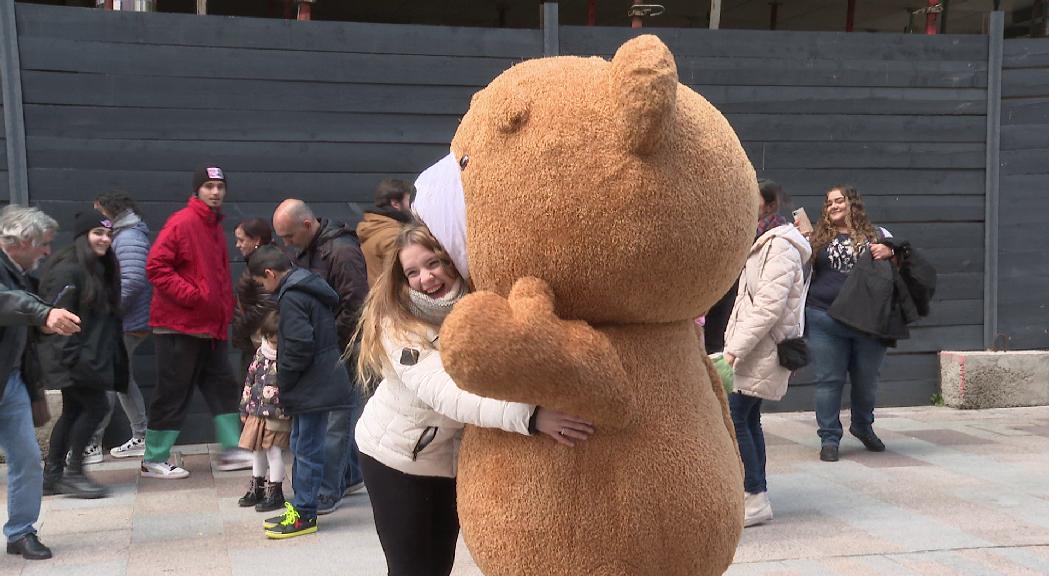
(591, 12)
(108, 5)
(635, 22)
(930, 18)
(305, 11)
(850, 15)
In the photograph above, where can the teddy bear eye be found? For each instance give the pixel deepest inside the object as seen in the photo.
(464, 161)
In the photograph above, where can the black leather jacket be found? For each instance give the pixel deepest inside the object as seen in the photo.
(19, 309)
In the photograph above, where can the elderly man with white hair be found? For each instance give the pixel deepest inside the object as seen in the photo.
(25, 239)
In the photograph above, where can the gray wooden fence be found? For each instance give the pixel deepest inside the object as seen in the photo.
(323, 110)
(1023, 287)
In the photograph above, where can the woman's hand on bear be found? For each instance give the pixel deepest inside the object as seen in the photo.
(563, 428)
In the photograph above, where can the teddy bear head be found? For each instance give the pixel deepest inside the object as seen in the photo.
(626, 191)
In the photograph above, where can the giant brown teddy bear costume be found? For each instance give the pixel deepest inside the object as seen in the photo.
(607, 206)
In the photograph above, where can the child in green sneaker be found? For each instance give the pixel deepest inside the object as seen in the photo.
(266, 427)
(310, 377)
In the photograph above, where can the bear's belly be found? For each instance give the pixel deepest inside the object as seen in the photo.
(662, 497)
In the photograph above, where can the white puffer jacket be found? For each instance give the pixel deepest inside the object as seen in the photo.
(414, 421)
(769, 309)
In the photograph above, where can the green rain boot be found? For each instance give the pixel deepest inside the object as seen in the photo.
(158, 450)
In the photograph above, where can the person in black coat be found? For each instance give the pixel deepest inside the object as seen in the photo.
(85, 278)
(310, 377)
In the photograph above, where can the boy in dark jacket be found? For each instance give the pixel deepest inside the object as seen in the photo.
(309, 375)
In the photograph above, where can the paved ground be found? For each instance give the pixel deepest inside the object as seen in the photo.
(957, 493)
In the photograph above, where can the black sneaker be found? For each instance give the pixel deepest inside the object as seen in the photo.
(870, 439)
(292, 525)
(829, 453)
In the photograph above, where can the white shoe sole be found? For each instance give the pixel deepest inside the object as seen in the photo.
(96, 459)
(128, 453)
(163, 476)
(761, 518)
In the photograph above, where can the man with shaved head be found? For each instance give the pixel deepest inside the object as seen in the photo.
(332, 251)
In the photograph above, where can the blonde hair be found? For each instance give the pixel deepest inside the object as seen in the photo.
(386, 311)
(860, 229)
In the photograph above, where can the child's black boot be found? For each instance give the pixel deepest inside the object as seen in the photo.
(254, 494)
(274, 498)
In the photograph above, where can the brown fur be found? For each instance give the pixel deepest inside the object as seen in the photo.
(607, 207)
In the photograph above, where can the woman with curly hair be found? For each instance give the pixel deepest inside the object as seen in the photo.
(251, 300)
(843, 233)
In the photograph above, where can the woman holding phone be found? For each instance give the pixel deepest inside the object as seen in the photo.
(85, 279)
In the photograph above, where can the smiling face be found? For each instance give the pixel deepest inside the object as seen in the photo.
(425, 271)
(100, 239)
(837, 207)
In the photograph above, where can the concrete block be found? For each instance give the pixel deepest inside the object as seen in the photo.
(973, 380)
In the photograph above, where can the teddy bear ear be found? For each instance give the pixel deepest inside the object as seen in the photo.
(643, 84)
(512, 113)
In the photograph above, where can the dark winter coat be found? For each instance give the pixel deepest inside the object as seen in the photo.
(335, 256)
(189, 269)
(93, 358)
(19, 309)
(309, 374)
(131, 245)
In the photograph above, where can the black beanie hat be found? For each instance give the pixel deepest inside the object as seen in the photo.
(87, 221)
(207, 174)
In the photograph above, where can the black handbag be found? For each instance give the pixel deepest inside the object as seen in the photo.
(793, 353)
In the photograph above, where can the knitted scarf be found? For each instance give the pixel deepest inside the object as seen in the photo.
(434, 310)
(267, 349)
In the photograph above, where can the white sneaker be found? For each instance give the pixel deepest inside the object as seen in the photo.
(162, 470)
(757, 509)
(92, 454)
(135, 447)
(234, 459)
(352, 488)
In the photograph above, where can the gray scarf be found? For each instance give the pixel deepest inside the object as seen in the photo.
(434, 310)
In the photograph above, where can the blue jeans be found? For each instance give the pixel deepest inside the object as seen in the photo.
(838, 351)
(746, 417)
(307, 445)
(25, 477)
(341, 465)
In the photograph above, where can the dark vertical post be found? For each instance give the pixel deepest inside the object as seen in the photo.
(996, 34)
(773, 14)
(14, 120)
(548, 19)
(591, 12)
(943, 15)
(850, 15)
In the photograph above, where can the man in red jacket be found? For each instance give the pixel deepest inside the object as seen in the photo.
(192, 307)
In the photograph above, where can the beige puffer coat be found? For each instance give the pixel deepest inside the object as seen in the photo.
(769, 308)
(414, 421)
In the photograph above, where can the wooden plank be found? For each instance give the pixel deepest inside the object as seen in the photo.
(933, 339)
(772, 155)
(784, 45)
(857, 128)
(1025, 53)
(916, 392)
(1025, 136)
(831, 72)
(242, 157)
(831, 100)
(249, 63)
(880, 182)
(1025, 82)
(1029, 161)
(963, 286)
(896, 366)
(889, 210)
(237, 125)
(35, 21)
(150, 186)
(166, 92)
(1025, 111)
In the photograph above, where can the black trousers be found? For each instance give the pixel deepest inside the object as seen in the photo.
(415, 518)
(184, 363)
(82, 411)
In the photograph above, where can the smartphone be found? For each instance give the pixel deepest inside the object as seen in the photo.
(61, 294)
(801, 220)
